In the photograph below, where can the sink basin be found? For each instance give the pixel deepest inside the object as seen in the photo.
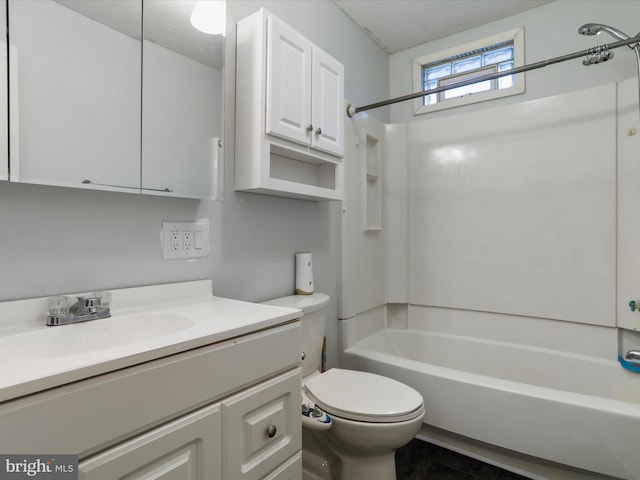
(96, 335)
(150, 322)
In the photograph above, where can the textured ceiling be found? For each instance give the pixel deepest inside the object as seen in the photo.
(400, 24)
(395, 24)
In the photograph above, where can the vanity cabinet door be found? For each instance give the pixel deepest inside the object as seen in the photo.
(262, 427)
(290, 470)
(76, 92)
(188, 448)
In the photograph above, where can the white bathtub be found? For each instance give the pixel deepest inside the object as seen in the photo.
(563, 407)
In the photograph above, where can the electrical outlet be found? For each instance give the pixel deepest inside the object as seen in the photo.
(185, 240)
(175, 240)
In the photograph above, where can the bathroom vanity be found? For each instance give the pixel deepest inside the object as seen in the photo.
(215, 396)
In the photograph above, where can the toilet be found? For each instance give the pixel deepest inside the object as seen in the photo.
(352, 421)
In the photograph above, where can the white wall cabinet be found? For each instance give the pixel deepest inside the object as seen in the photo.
(304, 90)
(94, 105)
(181, 417)
(75, 102)
(182, 112)
(290, 112)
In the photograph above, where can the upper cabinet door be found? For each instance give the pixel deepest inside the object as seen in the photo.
(288, 100)
(75, 92)
(4, 125)
(327, 103)
(182, 108)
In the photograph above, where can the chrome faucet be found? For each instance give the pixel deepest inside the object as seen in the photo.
(633, 356)
(92, 307)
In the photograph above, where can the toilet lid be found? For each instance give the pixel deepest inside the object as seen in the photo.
(364, 396)
(307, 303)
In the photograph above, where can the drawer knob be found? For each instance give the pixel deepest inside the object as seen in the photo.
(271, 431)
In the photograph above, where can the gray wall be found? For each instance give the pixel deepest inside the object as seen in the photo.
(61, 240)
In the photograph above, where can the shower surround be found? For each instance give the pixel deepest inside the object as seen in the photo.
(510, 306)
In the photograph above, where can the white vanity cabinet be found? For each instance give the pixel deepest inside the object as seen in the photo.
(188, 448)
(289, 112)
(246, 436)
(226, 411)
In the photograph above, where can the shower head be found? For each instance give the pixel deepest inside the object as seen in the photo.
(596, 28)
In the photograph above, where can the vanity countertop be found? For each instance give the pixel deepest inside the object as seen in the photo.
(34, 357)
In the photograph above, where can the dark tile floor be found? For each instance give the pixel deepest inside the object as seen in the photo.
(424, 461)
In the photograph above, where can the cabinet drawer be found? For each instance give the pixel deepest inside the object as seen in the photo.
(188, 448)
(262, 427)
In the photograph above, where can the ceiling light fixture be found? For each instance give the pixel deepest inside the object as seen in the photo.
(210, 16)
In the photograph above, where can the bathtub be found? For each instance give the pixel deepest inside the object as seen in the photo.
(576, 410)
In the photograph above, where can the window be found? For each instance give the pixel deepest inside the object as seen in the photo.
(492, 55)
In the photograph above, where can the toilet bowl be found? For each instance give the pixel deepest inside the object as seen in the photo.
(359, 419)
(371, 416)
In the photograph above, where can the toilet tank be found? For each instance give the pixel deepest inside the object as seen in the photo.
(313, 326)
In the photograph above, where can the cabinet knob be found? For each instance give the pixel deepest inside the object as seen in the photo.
(319, 131)
(309, 128)
(271, 431)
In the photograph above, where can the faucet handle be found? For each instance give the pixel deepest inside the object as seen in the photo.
(104, 298)
(633, 355)
(58, 305)
(85, 305)
(92, 303)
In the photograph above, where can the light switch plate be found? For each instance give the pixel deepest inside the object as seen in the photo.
(185, 240)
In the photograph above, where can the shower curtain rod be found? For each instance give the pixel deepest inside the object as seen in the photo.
(351, 110)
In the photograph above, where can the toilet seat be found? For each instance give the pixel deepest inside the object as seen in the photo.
(364, 397)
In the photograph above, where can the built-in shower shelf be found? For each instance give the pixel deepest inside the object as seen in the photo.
(373, 191)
